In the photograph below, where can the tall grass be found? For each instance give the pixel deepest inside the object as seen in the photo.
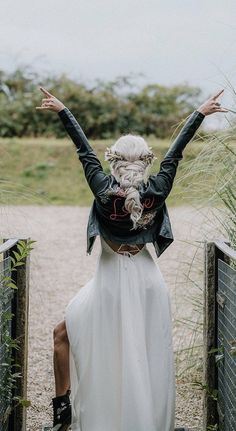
(208, 183)
(210, 180)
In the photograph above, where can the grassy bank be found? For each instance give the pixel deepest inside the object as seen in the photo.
(47, 171)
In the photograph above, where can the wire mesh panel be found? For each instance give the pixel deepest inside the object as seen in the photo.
(226, 343)
(6, 298)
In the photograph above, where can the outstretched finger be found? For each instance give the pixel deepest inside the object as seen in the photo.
(46, 92)
(218, 94)
(41, 108)
(229, 110)
(221, 110)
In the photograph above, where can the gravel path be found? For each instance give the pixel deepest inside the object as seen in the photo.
(60, 266)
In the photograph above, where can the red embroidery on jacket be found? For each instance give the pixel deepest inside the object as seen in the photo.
(116, 215)
(148, 203)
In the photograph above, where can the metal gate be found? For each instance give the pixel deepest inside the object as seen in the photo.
(6, 306)
(226, 342)
(220, 337)
(13, 326)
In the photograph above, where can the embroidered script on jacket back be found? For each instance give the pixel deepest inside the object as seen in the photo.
(120, 212)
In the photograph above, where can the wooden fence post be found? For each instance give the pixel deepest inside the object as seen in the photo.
(210, 414)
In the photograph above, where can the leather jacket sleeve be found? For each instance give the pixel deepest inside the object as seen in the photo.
(94, 174)
(162, 182)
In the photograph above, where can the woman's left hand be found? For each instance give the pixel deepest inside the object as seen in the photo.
(50, 103)
(212, 105)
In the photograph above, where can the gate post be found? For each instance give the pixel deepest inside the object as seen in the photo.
(210, 414)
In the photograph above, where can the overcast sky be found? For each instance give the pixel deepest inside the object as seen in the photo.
(168, 41)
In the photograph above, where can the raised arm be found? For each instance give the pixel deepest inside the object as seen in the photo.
(95, 176)
(162, 182)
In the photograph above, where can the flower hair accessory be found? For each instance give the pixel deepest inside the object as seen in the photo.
(113, 156)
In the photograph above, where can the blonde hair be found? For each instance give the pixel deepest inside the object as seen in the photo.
(129, 159)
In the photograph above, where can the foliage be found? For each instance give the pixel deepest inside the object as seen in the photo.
(214, 165)
(207, 181)
(8, 366)
(105, 110)
(210, 182)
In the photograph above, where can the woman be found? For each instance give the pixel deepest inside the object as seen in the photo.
(113, 353)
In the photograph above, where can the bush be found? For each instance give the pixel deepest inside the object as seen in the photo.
(105, 110)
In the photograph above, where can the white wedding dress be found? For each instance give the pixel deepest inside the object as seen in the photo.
(122, 367)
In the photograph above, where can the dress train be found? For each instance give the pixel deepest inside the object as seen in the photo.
(119, 326)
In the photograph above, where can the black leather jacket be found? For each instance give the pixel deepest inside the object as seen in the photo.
(108, 216)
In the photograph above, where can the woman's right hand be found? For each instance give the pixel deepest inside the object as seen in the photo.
(212, 105)
(50, 103)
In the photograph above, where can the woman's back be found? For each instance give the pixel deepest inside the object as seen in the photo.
(122, 219)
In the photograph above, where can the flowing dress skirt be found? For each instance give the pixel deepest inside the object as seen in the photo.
(119, 326)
